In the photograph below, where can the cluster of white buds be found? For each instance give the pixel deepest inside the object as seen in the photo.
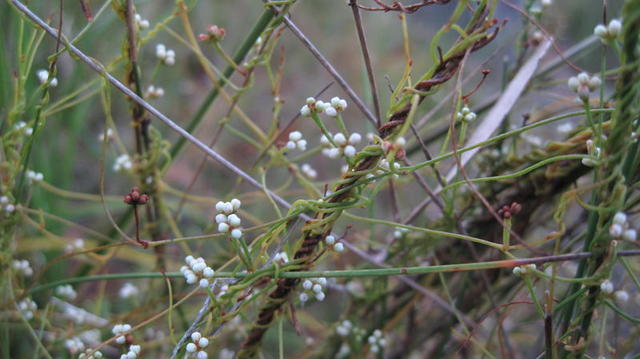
(123, 163)
(21, 126)
(119, 330)
(43, 76)
(154, 92)
(96, 354)
(74, 345)
(314, 286)
(134, 351)
(337, 105)
(7, 206)
(344, 328)
(525, 269)
(546, 3)
(76, 245)
(196, 347)
(610, 32)
(281, 258)
(228, 219)
(128, 290)
(166, 56)
(583, 84)
(27, 306)
(620, 228)
(296, 141)
(330, 109)
(466, 115)
(309, 171)
(34, 176)
(330, 241)
(140, 22)
(346, 146)
(376, 341)
(109, 135)
(23, 267)
(66, 291)
(399, 232)
(197, 271)
(594, 153)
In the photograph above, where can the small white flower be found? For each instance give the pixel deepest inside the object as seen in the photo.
(236, 233)
(221, 218)
(620, 218)
(296, 141)
(339, 247)
(330, 240)
(233, 220)
(616, 230)
(96, 354)
(191, 348)
(166, 56)
(606, 287)
(154, 92)
(621, 296)
(308, 170)
(331, 112)
(140, 22)
(223, 227)
(123, 163)
(235, 204)
(307, 284)
(349, 151)
(43, 76)
(207, 272)
(629, 235)
(128, 290)
(74, 345)
(355, 138)
(303, 297)
(546, 3)
(305, 111)
(66, 292)
(119, 330)
(320, 296)
(202, 355)
(23, 267)
(339, 139)
(204, 283)
(27, 307)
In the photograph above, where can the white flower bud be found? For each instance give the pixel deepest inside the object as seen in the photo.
(615, 230)
(195, 336)
(221, 218)
(317, 288)
(295, 136)
(330, 240)
(614, 28)
(350, 151)
(305, 111)
(223, 227)
(606, 287)
(322, 281)
(600, 31)
(320, 296)
(355, 138)
(620, 218)
(621, 296)
(331, 112)
(204, 283)
(228, 208)
(583, 78)
(161, 51)
(203, 342)
(234, 220)
(303, 297)
(573, 83)
(594, 83)
(191, 348)
(310, 100)
(208, 272)
(235, 203)
(291, 145)
(339, 247)
(236, 233)
(302, 145)
(220, 206)
(307, 284)
(629, 235)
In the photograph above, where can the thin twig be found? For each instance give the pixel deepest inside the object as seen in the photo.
(367, 60)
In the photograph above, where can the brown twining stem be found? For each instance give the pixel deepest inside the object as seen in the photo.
(485, 73)
(135, 198)
(322, 224)
(397, 6)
